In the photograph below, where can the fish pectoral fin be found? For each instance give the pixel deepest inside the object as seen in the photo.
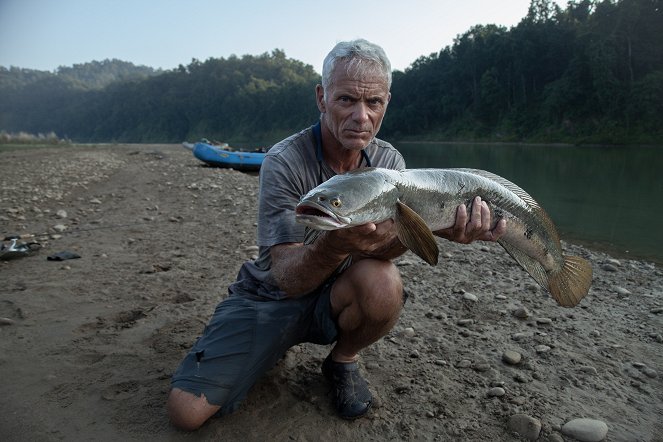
(415, 234)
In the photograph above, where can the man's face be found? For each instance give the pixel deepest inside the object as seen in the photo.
(353, 108)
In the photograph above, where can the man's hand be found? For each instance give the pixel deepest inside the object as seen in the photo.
(367, 240)
(475, 226)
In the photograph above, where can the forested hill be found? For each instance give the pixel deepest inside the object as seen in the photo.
(590, 72)
(92, 75)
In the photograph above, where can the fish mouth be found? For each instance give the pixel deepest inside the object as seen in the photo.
(319, 217)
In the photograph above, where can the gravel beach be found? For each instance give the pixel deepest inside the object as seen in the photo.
(481, 353)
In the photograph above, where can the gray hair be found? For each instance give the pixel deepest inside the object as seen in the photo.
(360, 56)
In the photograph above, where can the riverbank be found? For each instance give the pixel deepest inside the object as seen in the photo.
(88, 345)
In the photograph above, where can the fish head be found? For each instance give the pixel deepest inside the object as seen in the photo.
(358, 197)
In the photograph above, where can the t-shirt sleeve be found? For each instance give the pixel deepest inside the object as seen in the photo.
(280, 191)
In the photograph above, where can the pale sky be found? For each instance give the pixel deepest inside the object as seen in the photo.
(45, 34)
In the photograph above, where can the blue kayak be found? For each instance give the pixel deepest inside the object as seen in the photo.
(222, 157)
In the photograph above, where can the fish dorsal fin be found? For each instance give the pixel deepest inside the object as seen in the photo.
(415, 234)
(508, 184)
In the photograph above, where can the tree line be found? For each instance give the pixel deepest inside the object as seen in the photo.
(589, 72)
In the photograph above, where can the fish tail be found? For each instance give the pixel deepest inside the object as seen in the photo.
(571, 283)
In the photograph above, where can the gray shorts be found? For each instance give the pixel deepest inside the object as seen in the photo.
(245, 338)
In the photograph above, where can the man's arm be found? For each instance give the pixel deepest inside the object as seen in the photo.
(299, 269)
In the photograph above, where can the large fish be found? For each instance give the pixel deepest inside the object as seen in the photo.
(421, 201)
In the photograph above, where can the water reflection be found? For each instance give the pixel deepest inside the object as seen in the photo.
(608, 197)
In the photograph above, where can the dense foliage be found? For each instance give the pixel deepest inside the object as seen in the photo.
(592, 72)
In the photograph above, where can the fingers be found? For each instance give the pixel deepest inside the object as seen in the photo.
(477, 225)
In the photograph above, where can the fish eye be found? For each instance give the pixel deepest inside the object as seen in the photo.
(336, 202)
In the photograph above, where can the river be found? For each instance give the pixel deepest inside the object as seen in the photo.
(606, 197)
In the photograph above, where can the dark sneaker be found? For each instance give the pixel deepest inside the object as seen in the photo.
(351, 395)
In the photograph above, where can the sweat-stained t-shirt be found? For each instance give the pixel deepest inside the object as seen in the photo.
(290, 169)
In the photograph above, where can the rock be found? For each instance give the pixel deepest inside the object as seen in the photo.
(409, 332)
(586, 430)
(555, 438)
(521, 312)
(465, 322)
(527, 427)
(511, 357)
(542, 348)
(6, 321)
(543, 321)
(470, 297)
(496, 392)
(609, 267)
(95, 201)
(656, 310)
(61, 214)
(59, 227)
(650, 372)
(621, 291)
(464, 363)
(500, 297)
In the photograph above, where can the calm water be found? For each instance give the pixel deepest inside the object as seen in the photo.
(605, 197)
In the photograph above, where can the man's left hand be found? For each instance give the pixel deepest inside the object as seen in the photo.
(474, 226)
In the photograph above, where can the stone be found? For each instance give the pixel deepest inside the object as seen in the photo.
(586, 430)
(511, 357)
(496, 392)
(470, 297)
(521, 312)
(542, 348)
(409, 332)
(609, 267)
(543, 321)
(61, 214)
(527, 427)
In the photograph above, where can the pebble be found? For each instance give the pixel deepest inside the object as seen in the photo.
(465, 322)
(555, 438)
(521, 312)
(409, 332)
(511, 357)
(59, 227)
(588, 369)
(500, 297)
(95, 201)
(470, 297)
(6, 321)
(543, 321)
(656, 310)
(609, 267)
(496, 392)
(526, 426)
(621, 291)
(61, 214)
(464, 363)
(650, 372)
(586, 430)
(542, 348)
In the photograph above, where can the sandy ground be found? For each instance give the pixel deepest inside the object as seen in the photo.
(87, 346)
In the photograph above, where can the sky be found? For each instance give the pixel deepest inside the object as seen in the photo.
(46, 34)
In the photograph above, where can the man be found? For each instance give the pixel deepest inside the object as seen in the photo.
(342, 288)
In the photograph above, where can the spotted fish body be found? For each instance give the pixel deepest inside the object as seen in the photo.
(421, 201)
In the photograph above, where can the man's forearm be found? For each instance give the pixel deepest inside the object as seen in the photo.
(298, 269)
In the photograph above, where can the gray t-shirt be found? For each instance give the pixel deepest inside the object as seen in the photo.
(290, 169)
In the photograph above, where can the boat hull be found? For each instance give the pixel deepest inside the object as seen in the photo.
(218, 157)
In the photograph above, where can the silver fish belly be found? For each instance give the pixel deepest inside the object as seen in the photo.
(422, 201)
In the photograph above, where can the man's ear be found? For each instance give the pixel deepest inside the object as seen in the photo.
(320, 98)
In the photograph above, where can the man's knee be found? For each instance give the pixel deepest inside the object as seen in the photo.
(187, 411)
(376, 287)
